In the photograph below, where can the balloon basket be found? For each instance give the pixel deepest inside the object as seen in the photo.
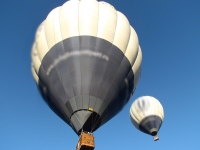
(155, 138)
(85, 142)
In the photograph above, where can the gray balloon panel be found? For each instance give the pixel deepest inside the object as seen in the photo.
(49, 95)
(150, 124)
(86, 73)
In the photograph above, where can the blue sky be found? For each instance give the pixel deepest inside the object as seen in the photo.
(169, 35)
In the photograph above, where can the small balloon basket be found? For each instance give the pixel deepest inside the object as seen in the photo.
(86, 141)
(155, 138)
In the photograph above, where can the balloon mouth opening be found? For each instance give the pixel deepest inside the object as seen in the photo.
(91, 124)
(154, 133)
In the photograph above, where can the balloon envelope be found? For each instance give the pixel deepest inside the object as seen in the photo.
(147, 114)
(86, 62)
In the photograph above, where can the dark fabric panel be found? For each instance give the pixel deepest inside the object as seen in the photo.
(96, 82)
(116, 105)
(118, 83)
(76, 83)
(69, 107)
(52, 104)
(113, 92)
(98, 105)
(87, 43)
(111, 112)
(86, 83)
(79, 101)
(73, 104)
(51, 97)
(66, 82)
(60, 89)
(86, 72)
(75, 123)
(86, 63)
(150, 124)
(109, 74)
(104, 87)
(57, 85)
(103, 46)
(99, 66)
(130, 79)
(58, 50)
(53, 77)
(117, 53)
(112, 65)
(92, 102)
(72, 44)
(43, 79)
(73, 63)
(86, 99)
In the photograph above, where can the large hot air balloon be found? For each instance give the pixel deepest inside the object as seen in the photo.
(147, 115)
(86, 62)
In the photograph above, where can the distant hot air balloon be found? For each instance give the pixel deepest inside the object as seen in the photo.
(147, 115)
(86, 62)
